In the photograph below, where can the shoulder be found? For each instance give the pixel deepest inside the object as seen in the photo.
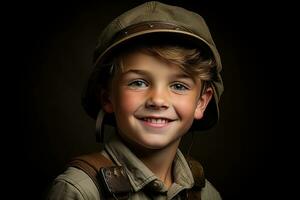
(209, 192)
(73, 184)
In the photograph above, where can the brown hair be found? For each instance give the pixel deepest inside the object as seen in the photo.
(191, 60)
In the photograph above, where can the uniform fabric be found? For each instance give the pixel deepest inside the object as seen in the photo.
(74, 184)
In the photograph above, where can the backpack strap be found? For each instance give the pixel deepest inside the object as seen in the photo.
(199, 178)
(114, 181)
(197, 171)
(110, 180)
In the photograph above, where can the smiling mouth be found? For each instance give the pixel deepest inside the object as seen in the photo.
(156, 122)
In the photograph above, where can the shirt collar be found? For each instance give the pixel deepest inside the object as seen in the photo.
(139, 174)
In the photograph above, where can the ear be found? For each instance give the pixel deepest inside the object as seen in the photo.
(108, 108)
(202, 103)
(106, 103)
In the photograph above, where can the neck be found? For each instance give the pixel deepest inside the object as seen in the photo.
(160, 161)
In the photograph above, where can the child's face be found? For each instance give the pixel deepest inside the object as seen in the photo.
(154, 103)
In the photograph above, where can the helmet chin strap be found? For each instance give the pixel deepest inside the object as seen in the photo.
(100, 126)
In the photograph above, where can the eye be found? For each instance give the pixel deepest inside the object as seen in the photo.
(138, 84)
(179, 87)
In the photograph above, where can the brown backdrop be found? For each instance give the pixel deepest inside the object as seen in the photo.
(55, 44)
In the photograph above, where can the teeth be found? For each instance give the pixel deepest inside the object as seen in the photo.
(156, 120)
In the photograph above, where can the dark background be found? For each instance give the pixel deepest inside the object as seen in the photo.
(54, 42)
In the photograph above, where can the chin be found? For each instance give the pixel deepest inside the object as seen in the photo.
(154, 144)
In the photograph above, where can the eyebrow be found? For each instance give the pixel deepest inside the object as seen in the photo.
(136, 71)
(146, 73)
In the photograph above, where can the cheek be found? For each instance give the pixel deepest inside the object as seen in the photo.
(128, 101)
(186, 107)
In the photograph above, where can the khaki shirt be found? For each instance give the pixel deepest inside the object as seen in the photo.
(74, 184)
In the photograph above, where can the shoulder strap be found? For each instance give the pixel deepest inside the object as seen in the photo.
(112, 179)
(198, 174)
(197, 171)
(90, 164)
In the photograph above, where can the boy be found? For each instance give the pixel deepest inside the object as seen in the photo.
(156, 77)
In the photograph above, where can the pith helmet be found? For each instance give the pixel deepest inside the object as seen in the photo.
(154, 20)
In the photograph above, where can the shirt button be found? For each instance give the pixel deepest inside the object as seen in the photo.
(156, 186)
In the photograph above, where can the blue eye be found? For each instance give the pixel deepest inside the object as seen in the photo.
(138, 84)
(179, 87)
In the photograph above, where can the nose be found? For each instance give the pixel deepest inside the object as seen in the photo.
(157, 99)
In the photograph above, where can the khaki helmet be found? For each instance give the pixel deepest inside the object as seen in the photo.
(153, 21)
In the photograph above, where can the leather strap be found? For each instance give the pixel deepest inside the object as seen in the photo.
(114, 180)
(197, 171)
(111, 181)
